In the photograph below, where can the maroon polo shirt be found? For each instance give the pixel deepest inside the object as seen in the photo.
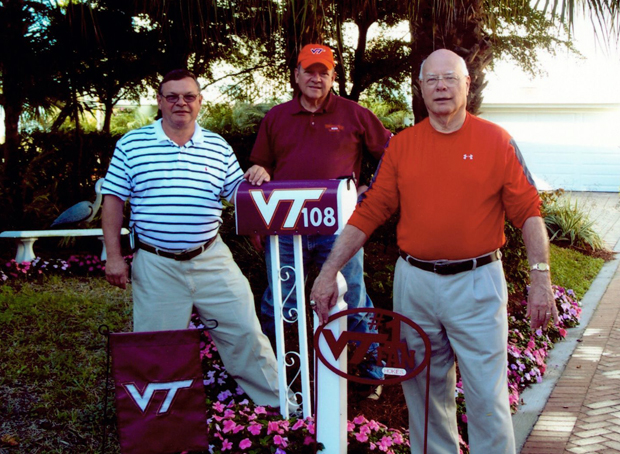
(295, 144)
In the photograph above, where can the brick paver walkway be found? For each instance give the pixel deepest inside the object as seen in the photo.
(582, 414)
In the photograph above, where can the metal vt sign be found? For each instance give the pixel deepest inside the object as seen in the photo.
(294, 207)
(297, 199)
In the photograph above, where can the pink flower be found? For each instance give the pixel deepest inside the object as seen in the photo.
(229, 426)
(531, 344)
(308, 440)
(218, 406)
(350, 427)
(226, 445)
(300, 423)
(280, 441)
(272, 426)
(245, 443)
(385, 443)
(359, 420)
(260, 410)
(254, 428)
(361, 437)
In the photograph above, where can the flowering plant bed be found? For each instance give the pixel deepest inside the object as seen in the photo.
(235, 424)
(237, 421)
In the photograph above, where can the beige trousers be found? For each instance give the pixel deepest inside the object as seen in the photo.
(464, 316)
(165, 290)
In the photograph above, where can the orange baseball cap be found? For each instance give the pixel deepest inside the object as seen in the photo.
(316, 53)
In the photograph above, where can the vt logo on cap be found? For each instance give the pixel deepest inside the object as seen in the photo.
(316, 53)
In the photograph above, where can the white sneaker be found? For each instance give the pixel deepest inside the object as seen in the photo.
(376, 393)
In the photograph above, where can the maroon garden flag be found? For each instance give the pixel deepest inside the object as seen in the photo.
(160, 398)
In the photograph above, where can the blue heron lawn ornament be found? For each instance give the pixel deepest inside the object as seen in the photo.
(82, 211)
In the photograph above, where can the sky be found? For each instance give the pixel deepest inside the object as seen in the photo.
(569, 79)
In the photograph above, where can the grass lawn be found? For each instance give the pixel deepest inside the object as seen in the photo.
(52, 363)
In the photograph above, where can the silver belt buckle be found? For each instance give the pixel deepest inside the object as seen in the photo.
(439, 263)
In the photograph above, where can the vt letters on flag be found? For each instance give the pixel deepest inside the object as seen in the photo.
(160, 398)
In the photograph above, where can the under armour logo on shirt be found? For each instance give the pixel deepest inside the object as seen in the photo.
(468, 156)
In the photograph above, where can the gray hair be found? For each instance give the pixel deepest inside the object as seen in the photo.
(461, 59)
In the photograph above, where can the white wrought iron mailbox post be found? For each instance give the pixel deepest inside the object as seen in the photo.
(331, 405)
(296, 208)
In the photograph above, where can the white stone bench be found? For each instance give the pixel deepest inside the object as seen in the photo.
(26, 239)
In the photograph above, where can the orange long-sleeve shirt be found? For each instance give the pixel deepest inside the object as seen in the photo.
(453, 190)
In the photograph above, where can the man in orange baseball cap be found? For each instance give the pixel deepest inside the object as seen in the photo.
(317, 136)
(316, 53)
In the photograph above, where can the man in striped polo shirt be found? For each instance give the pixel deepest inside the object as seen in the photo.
(174, 174)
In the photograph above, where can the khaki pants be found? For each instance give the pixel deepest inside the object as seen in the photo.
(463, 315)
(164, 291)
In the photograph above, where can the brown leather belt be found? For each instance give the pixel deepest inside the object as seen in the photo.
(446, 267)
(179, 256)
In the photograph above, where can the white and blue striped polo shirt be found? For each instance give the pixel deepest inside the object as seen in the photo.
(175, 192)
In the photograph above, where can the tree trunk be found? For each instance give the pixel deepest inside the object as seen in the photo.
(360, 56)
(11, 175)
(463, 35)
(107, 120)
(12, 75)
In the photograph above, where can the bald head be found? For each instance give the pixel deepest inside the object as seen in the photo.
(445, 54)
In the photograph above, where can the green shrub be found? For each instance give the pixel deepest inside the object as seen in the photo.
(126, 119)
(567, 222)
(394, 116)
(57, 170)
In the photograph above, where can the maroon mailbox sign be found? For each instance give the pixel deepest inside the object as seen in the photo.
(294, 207)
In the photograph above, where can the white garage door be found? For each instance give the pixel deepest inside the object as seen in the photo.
(575, 148)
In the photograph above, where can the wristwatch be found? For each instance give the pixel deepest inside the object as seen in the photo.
(540, 267)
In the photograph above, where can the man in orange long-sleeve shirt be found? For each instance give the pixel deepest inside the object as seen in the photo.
(455, 177)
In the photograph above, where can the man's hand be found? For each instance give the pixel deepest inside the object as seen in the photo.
(324, 294)
(540, 301)
(541, 306)
(361, 189)
(257, 175)
(117, 271)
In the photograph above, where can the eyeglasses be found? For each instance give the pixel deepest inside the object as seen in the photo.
(175, 98)
(450, 81)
